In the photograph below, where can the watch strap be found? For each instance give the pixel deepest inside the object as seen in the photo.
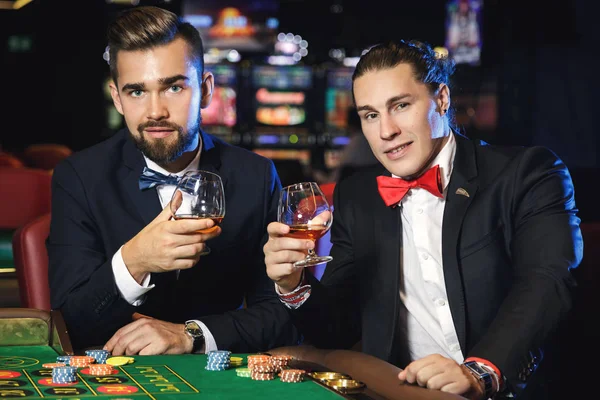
(485, 376)
(198, 339)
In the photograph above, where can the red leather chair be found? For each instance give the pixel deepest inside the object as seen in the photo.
(24, 195)
(323, 245)
(31, 261)
(327, 189)
(10, 160)
(45, 155)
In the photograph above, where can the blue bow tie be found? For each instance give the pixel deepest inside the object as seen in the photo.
(151, 178)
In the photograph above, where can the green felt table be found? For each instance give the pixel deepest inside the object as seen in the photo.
(156, 377)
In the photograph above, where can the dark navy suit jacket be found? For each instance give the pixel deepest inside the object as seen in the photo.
(507, 247)
(97, 207)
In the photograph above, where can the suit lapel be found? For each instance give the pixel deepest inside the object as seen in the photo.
(145, 202)
(210, 159)
(388, 239)
(461, 191)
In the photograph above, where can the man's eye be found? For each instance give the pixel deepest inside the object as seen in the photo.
(175, 89)
(136, 93)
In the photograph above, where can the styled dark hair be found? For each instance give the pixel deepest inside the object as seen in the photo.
(145, 27)
(429, 67)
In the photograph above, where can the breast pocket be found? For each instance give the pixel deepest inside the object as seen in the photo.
(485, 241)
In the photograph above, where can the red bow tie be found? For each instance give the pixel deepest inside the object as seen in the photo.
(392, 190)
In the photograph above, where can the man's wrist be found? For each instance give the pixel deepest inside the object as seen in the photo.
(494, 371)
(136, 273)
(298, 296)
(484, 376)
(193, 330)
(284, 291)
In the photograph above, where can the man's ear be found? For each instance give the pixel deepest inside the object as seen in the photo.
(443, 98)
(114, 93)
(208, 87)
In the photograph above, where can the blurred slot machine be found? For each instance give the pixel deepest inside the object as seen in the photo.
(282, 116)
(220, 118)
(338, 106)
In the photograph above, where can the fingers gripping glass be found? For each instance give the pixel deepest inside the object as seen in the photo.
(199, 195)
(304, 208)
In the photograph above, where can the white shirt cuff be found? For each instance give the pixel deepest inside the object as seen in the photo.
(130, 290)
(209, 340)
(297, 297)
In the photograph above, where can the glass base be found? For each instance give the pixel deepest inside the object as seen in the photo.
(311, 261)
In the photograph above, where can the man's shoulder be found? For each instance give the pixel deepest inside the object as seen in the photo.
(101, 151)
(90, 161)
(517, 164)
(500, 157)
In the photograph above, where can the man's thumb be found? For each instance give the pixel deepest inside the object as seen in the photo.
(171, 207)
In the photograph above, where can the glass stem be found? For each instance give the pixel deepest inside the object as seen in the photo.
(311, 253)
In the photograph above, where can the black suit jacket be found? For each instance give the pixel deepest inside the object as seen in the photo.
(508, 247)
(97, 207)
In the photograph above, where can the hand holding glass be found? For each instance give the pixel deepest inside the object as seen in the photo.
(198, 195)
(304, 208)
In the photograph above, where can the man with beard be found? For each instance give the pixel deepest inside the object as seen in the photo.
(124, 274)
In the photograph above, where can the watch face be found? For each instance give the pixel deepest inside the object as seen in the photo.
(193, 329)
(473, 366)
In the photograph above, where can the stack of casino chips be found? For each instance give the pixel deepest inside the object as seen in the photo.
(100, 356)
(100, 369)
(63, 359)
(236, 361)
(243, 372)
(280, 362)
(258, 358)
(64, 374)
(81, 361)
(261, 369)
(292, 375)
(218, 360)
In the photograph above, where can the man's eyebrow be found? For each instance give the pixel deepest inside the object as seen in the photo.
(388, 103)
(395, 99)
(133, 86)
(163, 81)
(172, 79)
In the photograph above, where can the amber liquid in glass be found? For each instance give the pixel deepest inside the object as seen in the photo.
(312, 232)
(216, 220)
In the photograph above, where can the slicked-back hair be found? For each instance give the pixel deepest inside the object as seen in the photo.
(145, 27)
(428, 66)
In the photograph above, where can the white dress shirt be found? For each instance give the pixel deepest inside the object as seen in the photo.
(430, 325)
(130, 290)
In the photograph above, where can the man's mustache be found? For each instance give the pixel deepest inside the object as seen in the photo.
(158, 124)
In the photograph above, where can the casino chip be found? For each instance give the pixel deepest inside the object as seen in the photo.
(100, 369)
(54, 365)
(218, 360)
(292, 375)
(100, 356)
(64, 374)
(236, 361)
(243, 372)
(118, 361)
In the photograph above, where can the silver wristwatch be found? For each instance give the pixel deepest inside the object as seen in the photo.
(195, 332)
(483, 375)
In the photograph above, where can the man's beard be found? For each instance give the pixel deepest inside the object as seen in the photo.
(159, 150)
